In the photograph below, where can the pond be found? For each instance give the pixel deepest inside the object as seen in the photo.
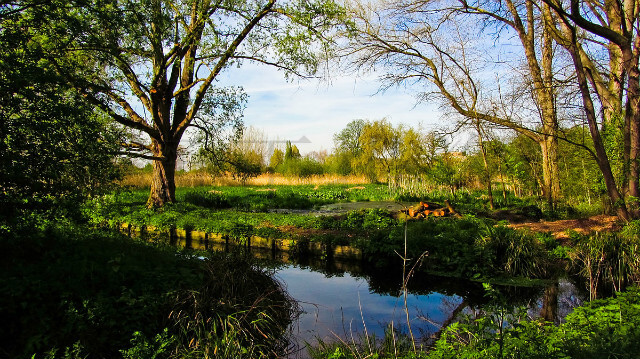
(342, 300)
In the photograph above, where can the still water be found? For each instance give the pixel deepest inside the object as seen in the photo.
(344, 300)
(342, 306)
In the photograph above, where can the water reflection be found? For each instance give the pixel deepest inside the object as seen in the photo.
(344, 299)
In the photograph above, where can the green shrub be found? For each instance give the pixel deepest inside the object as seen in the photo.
(300, 167)
(517, 253)
(612, 259)
(604, 328)
(206, 199)
(450, 244)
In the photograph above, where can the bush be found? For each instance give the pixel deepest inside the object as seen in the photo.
(450, 243)
(604, 328)
(300, 167)
(516, 253)
(368, 219)
(466, 247)
(207, 199)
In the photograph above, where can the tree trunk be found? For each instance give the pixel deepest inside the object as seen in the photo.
(550, 172)
(486, 165)
(632, 117)
(602, 159)
(163, 183)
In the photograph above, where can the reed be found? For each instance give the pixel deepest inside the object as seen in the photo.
(200, 178)
(277, 179)
(183, 179)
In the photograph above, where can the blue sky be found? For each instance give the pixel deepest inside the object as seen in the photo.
(318, 109)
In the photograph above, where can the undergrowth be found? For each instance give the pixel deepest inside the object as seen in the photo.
(603, 328)
(70, 292)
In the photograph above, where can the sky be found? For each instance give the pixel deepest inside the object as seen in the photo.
(317, 109)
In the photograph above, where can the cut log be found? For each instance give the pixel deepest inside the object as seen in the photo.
(425, 209)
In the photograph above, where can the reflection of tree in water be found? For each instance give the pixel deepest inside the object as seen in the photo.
(388, 281)
(461, 297)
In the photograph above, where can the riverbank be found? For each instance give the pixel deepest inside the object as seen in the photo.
(363, 223)
(74, 292)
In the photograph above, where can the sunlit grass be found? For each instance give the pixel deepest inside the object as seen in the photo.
(200, 178)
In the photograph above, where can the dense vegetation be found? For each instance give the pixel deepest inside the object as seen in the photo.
(84, 83)
(412, 161)
(73, 292)
(473, 246)
(603, 328)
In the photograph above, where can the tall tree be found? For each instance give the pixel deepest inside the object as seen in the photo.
(152, 65)
(603, 39)
(348, 147)
(381, 145)
(432, 43)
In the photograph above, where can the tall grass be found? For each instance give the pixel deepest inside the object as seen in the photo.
(183, 179)
(200, 178)
(610, 259)
(71, 292)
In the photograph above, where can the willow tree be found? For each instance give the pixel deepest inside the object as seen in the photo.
(442, 46)
(152, 65)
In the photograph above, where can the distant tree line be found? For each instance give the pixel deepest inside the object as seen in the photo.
(408, 157)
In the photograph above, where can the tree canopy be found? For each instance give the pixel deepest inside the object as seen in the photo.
(54, 147)
(152, 65)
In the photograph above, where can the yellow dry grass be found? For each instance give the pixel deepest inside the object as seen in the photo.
(187, 179)
(318, 180)
(197, 179)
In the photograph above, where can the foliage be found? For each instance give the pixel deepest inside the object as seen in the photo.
(517, 253)
(245, 165)
(81, 293)
(224, 209)
(276, 158)
(380, 150)
(291, 152)
(243, 158)
(604, 328)
(607, 258)
(580, 179)
(348, 147)
(140, 64)
(466, 247)
(54, 148)
(300, 167)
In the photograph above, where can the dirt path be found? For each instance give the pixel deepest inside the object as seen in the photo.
(584, 225)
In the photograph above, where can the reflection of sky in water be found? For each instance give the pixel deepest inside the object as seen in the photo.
(339, 304)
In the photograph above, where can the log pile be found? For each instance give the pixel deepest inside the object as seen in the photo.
(426, 209)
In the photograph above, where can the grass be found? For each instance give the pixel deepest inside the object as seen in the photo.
(267, 210)
(74, 292)
(201, 178)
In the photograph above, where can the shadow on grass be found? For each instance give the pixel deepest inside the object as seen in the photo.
(77, 292)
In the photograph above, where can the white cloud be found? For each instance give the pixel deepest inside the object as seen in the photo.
(317, 110)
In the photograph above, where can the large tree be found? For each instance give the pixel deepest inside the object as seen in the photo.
(152, 65)
(436, 44)
(603, 39)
